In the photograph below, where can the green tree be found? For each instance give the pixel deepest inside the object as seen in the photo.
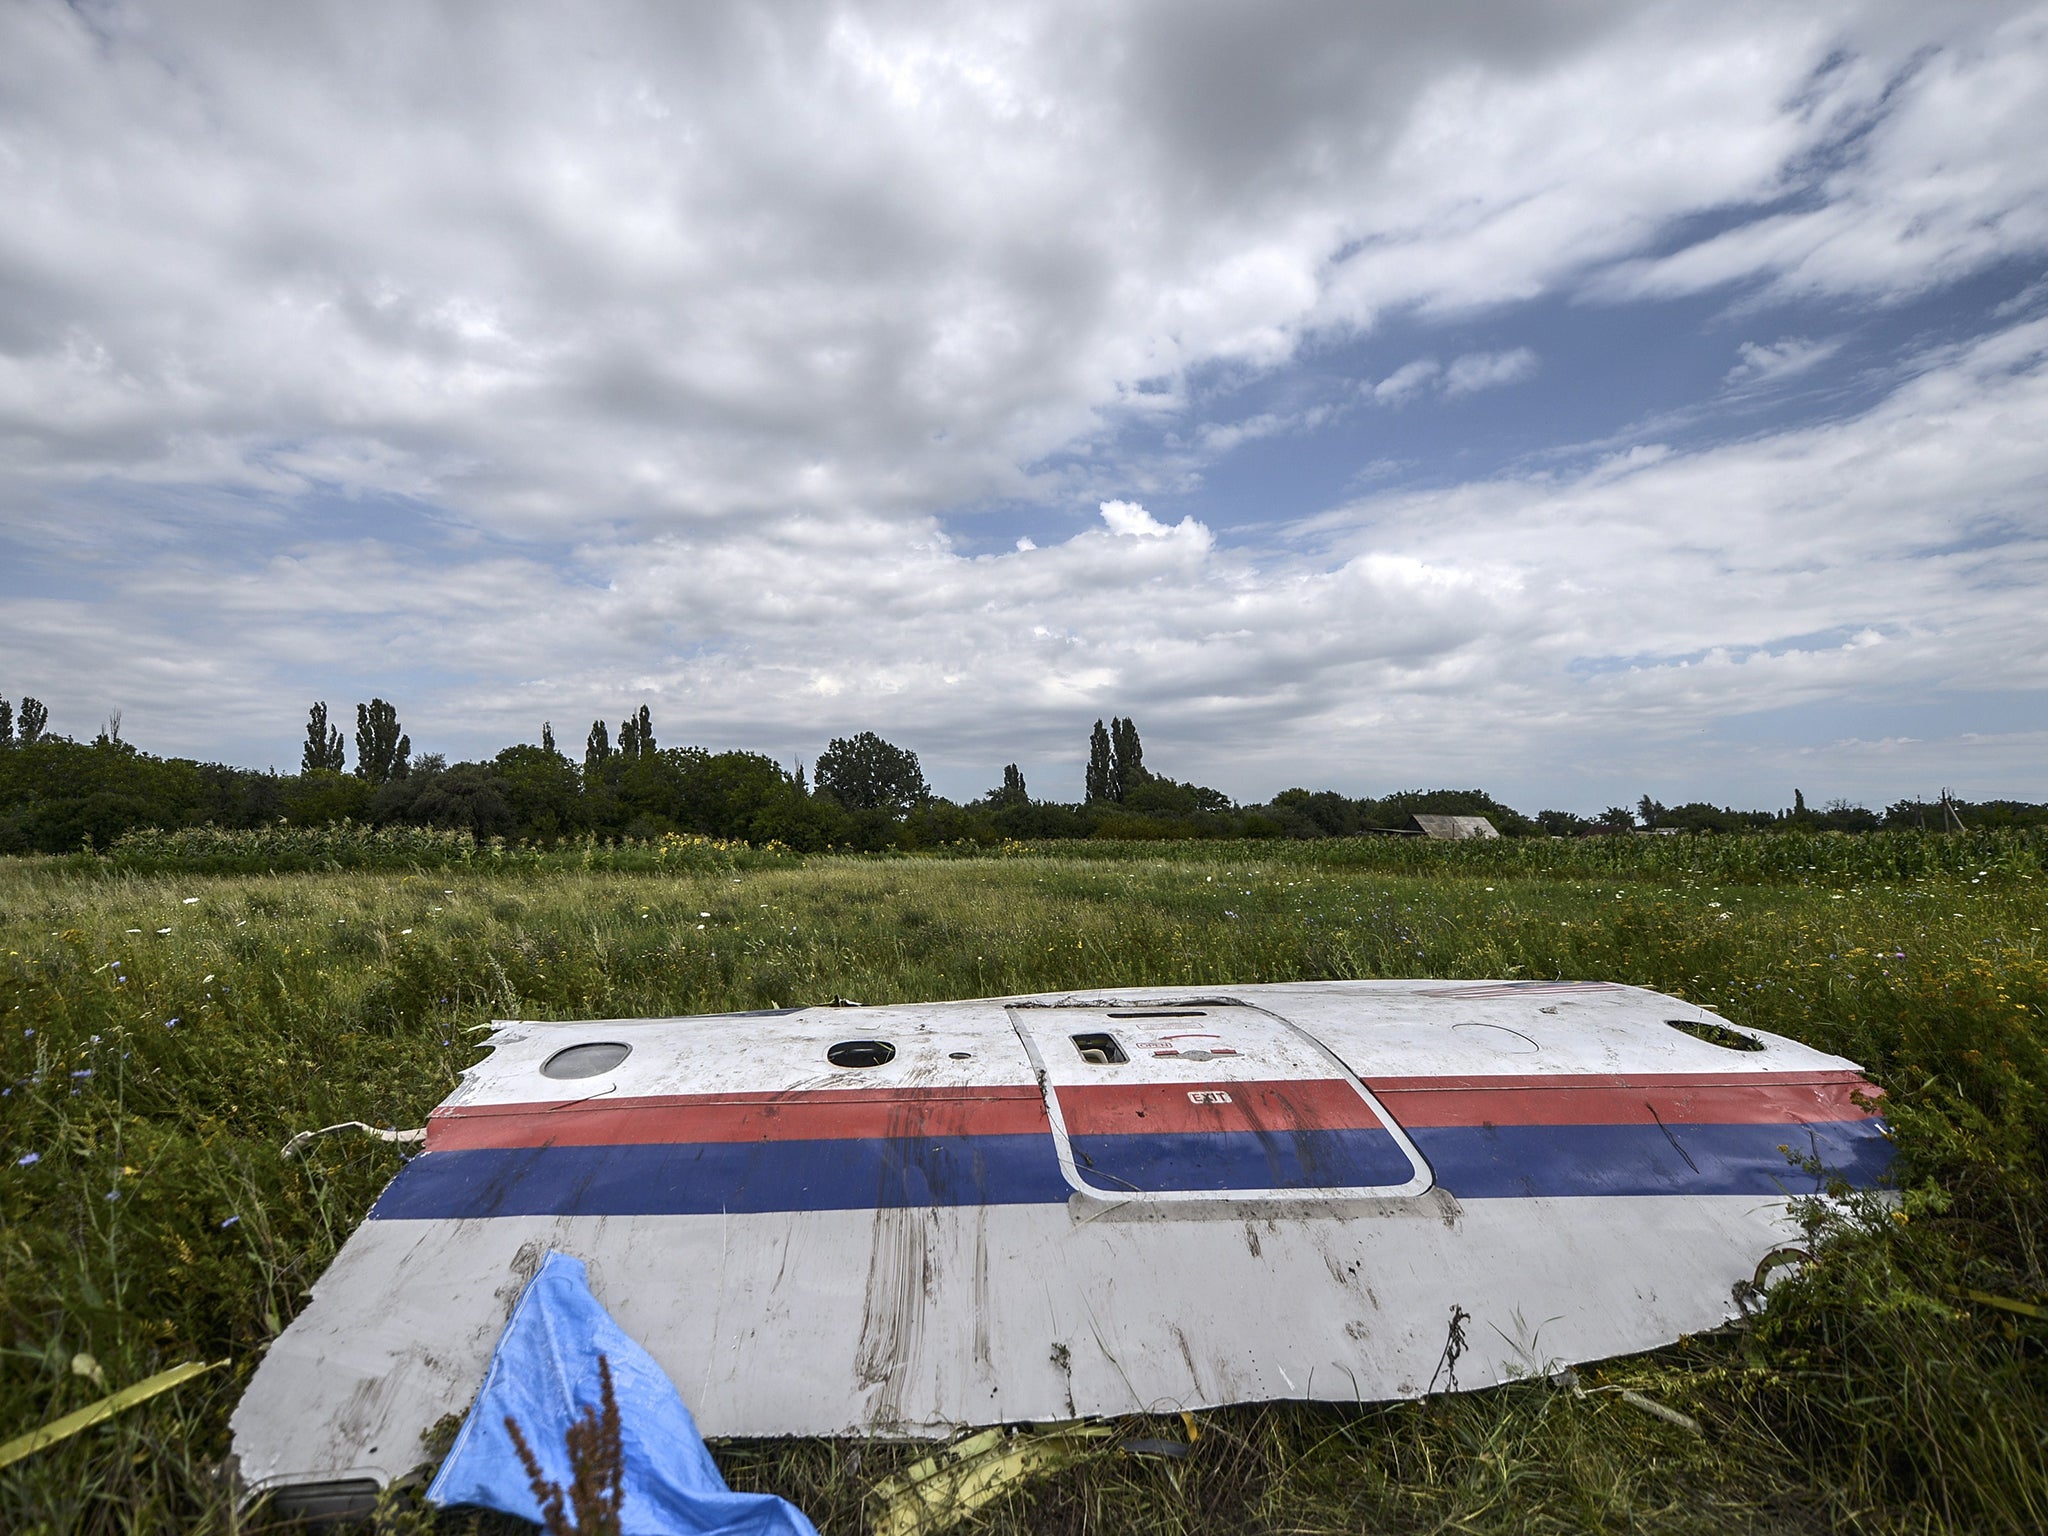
(383, 751)
(597, 751)
(866, 773)
(539, 786)
(1013, 791)
(325, 796)
(547, 737)
(1127, 760)
(323, 747)
(35, 717)
(6, 724)
(469, 797)
(1100, 780)
(636, 735)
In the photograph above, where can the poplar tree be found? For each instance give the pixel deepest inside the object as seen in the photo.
(1099, 768)
(6, 724)
(1127, 760)
(383, 751)
(34, 716)
(597, 751)
(1012, 792)
(636, 735)
(547, 738)
(324, 748)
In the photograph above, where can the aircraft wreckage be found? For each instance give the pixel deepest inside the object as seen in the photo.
(902, 1220)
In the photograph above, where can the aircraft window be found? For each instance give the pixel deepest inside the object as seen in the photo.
(861, 1053)
(1162, 1013)
(1100, 1049)
(593, 1059)
(1716, 1034)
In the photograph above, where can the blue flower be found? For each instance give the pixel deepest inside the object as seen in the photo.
(28, 1159)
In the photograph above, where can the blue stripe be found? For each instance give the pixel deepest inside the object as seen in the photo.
(1472, 1162)
(704, 1178)
(1250, 1160)
(1508, 1161)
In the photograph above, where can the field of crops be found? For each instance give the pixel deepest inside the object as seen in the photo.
(164, 1030)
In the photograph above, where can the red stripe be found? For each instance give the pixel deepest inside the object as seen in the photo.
(857, 1115)
(1693, 1102)
(1313, 1104)
(1441, 1080)
(1098, 1109)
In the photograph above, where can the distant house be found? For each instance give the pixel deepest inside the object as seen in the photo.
(1455, 829)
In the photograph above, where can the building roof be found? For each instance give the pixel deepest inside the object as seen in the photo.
(1456, 828)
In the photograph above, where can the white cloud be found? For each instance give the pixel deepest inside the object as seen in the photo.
(1128, 520)
(1488, 370)
(1766, 364)
(1907, 163)
(661, 265)
(1466, 374)
(1407, 381)
(1608, 631)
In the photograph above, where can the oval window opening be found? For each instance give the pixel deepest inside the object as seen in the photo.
(592, 1060)
(861, 1053)
(1716, 1034)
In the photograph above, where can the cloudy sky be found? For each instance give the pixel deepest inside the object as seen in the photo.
(1572, 399)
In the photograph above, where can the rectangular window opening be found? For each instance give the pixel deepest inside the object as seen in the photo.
(1101, 1049)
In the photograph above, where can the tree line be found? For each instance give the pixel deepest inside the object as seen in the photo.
(863, 792)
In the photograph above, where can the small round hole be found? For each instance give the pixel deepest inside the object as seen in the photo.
(591, 1060)
(861, 1053)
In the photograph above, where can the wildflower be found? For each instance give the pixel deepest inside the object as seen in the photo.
(191, 901)
(83, 1072)
(28, 1159)
(170, 1023)
(206, 978)
(161, 932)
(113, 1194)
(229, 1222)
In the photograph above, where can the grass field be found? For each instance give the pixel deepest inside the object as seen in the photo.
(162, 1034)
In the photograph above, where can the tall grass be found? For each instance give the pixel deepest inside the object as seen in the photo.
(282, 848)
(1770, 858)
(161, 1035)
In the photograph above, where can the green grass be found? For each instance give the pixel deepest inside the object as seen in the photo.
(158, 1224)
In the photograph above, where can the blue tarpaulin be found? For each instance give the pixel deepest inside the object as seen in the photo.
(544, 1374)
